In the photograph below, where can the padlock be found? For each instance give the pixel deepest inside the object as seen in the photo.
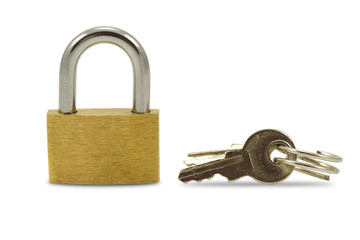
(103, 146)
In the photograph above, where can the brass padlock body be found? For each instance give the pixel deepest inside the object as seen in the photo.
(103, 146)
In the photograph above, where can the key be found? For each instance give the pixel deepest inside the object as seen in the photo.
(204, 157)
(252, 159)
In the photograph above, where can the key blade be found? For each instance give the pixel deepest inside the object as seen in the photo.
(198, 158)
(201, 159)
(234, 166)
(233, 147)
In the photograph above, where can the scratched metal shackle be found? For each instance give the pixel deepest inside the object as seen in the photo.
(118, 37)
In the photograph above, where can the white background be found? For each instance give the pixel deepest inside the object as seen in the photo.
(220, 70)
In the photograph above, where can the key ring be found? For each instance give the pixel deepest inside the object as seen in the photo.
(312, 163)
(253, 159)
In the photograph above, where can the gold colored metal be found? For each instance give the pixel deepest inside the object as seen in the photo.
(103, 146)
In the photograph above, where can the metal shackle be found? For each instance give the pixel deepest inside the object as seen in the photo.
(118, 37)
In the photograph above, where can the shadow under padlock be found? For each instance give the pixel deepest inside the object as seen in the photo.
(103, 146)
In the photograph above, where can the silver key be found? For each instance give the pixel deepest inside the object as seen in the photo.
(252, 159)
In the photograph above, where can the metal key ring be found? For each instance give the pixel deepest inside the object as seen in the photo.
(319, 155)
(314, 164)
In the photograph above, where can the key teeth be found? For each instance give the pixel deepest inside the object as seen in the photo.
(198, 181)
(209, 178)
(232, 180)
